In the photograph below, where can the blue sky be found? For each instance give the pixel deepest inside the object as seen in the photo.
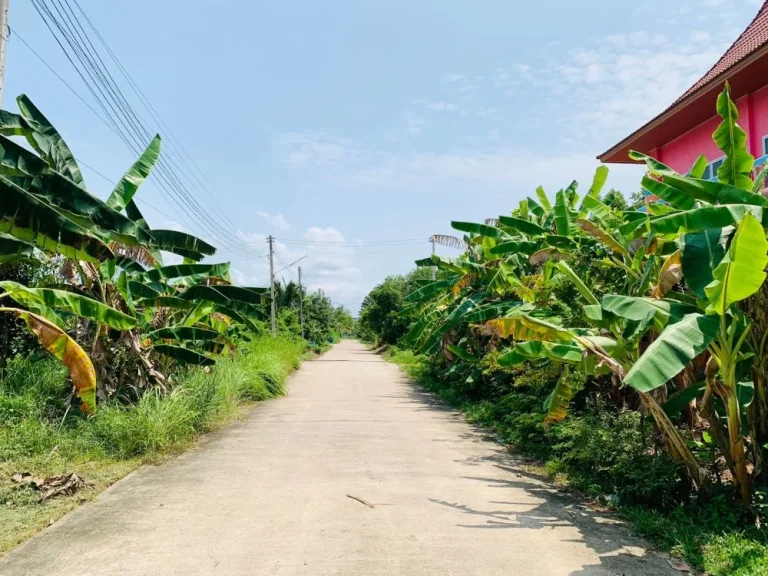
(353, 130)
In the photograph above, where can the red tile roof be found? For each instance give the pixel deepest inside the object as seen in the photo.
(753, 37)
(682, 114)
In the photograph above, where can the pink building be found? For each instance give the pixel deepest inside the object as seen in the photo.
(684, 130)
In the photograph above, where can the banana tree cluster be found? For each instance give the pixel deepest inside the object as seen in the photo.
(686, 328)
(114, 297)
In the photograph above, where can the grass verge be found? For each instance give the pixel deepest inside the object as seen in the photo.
(104, 448)
(588, 452)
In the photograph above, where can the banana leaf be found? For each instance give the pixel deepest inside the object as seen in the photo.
(741, 272)
(479, 229)
(701, 253)
(67, 351)
(15, 250)
(184, 355)
(428, 291)
(732, 140)
(182, 244)
(704, 218)
(69, 302)
(188, 273)
(131, 180)
(521, 225)
(564, 218)
(28, 218)
(672, 351)
(183, 333)
(44, 138)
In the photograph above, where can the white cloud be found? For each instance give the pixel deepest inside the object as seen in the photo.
(452, 77)
(309, 148)
(413, 122)
(173, 225)
(440, 106)
(275, 220)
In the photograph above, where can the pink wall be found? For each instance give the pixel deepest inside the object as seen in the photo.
(681, 153)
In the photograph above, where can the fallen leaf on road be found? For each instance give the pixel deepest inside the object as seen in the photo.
(679, 566)
(52, 486)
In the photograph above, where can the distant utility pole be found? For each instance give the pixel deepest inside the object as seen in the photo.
(4, 31)
(271, 241)
(434, 268)
(301, 304)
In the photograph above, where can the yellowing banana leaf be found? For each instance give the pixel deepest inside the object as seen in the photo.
(671, 274)
(559, 400)
(67, 351)
(523, 327)
(609, 241)
(742, 271)
(131, 180)
(69, 302)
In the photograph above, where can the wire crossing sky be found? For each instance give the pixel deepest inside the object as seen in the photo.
(353, 131)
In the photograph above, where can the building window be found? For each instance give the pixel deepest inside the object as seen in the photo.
(711, 170)
(765, 144)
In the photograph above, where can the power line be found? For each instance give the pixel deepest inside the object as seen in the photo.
(120, 113)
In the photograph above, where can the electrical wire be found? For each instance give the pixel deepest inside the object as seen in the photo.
(120, 113)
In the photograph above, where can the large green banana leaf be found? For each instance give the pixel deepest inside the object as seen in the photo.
(669, 194)
(636, 308)
(13, 124)
(694, 188)
(599, 211)
(535, 350)
(704, 218)
(32, 174)
(732, 140)
(563, 216)
(598, 181)
(15, 250)
(521, 225)
(672, 351)
(526, 247)
(131, 180)
(495, 310)
(653, 165)
(188, 273)
(182, 244)
(44, 138)
(525, 327)
(428, 291)
(741, 272)
(701, 253)
(173, 302)
(28, 218)
(577, 282)
(480, 229)
(223, 294)
(453, 318)
(543, 199)
(69, 302)
(184, 355)
(183, 333)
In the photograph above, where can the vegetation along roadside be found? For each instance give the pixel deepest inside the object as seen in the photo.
(623, 347)
(119, 343)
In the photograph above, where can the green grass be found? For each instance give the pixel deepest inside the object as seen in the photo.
(589, 452)
(118, 439)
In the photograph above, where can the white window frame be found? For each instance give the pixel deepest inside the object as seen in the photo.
(710, 167)
(765, 147)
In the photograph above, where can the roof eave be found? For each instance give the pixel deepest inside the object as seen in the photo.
(612, 155)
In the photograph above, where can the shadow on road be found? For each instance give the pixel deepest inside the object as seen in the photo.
(546, 509)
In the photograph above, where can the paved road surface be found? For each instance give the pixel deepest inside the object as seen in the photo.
(269, 496)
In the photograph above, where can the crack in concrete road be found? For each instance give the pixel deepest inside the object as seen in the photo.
(268, 495)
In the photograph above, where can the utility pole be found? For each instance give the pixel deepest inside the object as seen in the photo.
(4, 32)
(272, 281)
(301, 304)
(434, 268)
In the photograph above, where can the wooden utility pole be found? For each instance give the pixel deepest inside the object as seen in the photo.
(272, 281)
(301, 304)
(4, 32)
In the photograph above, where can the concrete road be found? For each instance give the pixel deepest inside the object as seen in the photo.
(270, 495)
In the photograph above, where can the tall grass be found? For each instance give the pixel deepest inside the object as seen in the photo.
(35, 438)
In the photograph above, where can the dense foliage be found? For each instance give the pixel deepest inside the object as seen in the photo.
(649, 323)
(87, 278)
